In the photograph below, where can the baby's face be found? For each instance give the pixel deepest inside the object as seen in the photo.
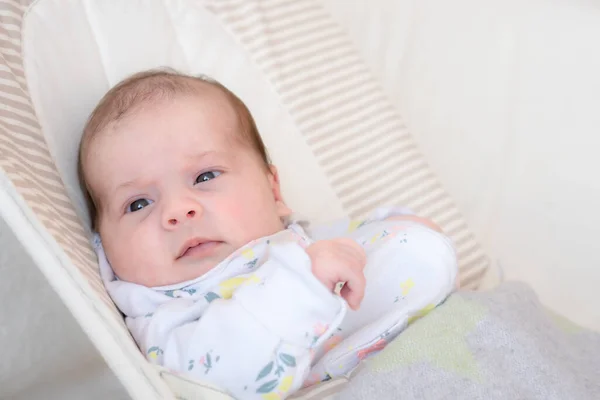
(178, 191)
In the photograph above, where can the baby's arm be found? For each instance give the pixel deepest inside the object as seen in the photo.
(258, 342)
(413, 218)
(347, 228)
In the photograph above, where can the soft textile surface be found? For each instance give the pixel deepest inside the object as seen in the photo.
(502, 96)
(500, 344)
(313, 97)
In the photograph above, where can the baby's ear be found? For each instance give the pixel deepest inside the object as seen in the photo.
(282, 209)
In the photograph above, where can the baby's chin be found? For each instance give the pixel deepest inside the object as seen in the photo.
(183, 269)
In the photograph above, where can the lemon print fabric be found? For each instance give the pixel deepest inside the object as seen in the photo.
(154, 352)
(226, 288)
(277, 377)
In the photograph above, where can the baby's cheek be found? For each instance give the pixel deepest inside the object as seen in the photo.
(133, 253)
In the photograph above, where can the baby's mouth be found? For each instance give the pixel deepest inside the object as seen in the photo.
(198, 247)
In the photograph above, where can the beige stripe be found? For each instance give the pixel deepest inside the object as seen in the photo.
(8, 39)
(301, 84)
(363, 205)
(9, 45)
(304, 30)
(16, 97)
(19, 102)
(24, 132)
(481, 262)
(368, 131)
(430, 203)
(12, 31)
(287, 10)
(20, 79)
(8, 17)
(264, 45)
(352, 86)
(32, 190)
(345, 154)
(41, 167)
(30, 147)
(12, 114)
(304, 58)
(370, 179)
(16, 6)
(16, 69)
(340, 146)
(288, 61)
(349, 124)
(350, 138)
(13, 6)
(342, 176)
(462, 238)
(473, 280)
(18, 108)
(453, 223)
(334, 116)
(79, 257)
(232, 11)
(354, 130)
(11, 58)
(340, 96)
(88, 255)
(285, 73)
(15, 90)
(53, 215)
(10, 52)
(10, 81)
(473, 263)
(63, 221)
(262, 27)
(471, 258)
(294, 18)
(68, 219)
(300, 55)
(50, 186)
(56, 230)
(380, 193)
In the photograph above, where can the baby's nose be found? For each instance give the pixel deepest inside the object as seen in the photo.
(175, 218)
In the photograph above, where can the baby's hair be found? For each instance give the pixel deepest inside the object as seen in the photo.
(147, 87)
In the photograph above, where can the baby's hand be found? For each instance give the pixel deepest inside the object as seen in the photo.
(340, 260)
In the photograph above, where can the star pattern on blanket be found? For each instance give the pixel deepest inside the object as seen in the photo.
(439, 339)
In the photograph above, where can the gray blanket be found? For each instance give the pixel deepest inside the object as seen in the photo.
(499, 344)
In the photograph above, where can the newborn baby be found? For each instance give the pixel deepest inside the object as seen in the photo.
(216, 276)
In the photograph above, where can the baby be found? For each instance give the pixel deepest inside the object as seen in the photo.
(215, 275)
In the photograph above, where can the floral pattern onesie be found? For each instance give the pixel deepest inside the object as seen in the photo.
(261, 326)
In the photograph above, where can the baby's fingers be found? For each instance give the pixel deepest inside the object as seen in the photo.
(354, 290)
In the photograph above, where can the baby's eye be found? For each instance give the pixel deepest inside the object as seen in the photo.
(207, 176)
(138, 205)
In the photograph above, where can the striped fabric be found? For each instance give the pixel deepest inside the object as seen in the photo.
(357, 136)
(25, 159)
(355, 133)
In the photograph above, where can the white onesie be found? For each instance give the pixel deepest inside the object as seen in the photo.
(260, 325)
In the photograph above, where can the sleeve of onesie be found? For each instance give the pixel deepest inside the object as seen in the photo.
(257, 344)
(347, 226)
